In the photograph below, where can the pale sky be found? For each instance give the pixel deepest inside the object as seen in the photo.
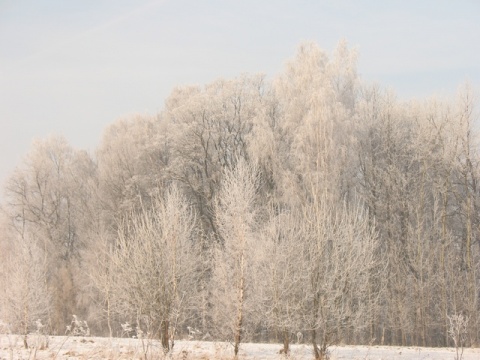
(73, 67)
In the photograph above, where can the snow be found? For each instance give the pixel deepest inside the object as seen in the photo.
(65, 347)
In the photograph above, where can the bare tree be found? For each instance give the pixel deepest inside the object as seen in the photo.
(212, 125)
(155, 266)
(46, 199)
(102, 275)
(354, 184)
(458, 331)
(237, 217)
(26, 298)
(132, 159)
(340, 249)
(283, 286)
(417, 176)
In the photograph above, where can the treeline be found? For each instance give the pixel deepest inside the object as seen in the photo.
(255, 209)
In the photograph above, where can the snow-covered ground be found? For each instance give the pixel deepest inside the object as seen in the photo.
(63, 347)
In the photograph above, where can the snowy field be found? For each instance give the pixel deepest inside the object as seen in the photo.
(63, 347)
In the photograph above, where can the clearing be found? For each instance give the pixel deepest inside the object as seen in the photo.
(67, 347)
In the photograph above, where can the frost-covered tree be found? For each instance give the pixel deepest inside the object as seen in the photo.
(317, 93)
(282, 286)
(25, 297)
(237, 217)
(333, 154)
(46, 198)
(154, 264)
(212, 127)
(132, 160)
(340, 252)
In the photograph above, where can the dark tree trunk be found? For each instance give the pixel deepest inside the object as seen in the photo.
(286, 342)
(164, 336)
(316, 350)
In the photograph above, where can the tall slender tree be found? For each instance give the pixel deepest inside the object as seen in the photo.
(237, 217)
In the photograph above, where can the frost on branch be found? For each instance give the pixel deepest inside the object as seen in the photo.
(77, 327)
(458, 331)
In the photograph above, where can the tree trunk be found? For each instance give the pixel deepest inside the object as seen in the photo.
(316, 350)
(109, 323)
(25, 326)
(286, 342)
(164, 336)
(238, 326)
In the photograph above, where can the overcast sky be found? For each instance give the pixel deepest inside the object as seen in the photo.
(72, 67)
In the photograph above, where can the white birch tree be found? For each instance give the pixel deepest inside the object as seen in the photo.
(237, 217)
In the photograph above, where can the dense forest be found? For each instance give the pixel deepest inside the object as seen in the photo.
(311, 206)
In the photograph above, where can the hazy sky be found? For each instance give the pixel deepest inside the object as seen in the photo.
(72, 67)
